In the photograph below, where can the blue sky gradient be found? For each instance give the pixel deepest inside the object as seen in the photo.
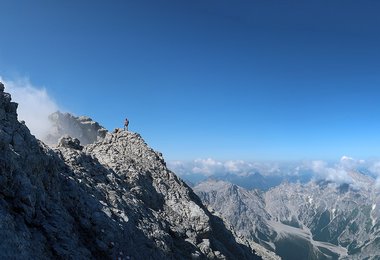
(251, 80)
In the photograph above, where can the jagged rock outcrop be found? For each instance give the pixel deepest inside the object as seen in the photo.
(83, 128)
(303, 221)
(67, 141)
(114, 199)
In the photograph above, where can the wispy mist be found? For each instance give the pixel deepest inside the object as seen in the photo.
(35, 105)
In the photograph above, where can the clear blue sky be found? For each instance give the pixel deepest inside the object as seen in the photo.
(222, 79)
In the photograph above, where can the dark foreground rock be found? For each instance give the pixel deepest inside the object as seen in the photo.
(114, 199)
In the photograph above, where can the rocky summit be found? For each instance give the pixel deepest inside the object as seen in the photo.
(111, 199)
(83, 128)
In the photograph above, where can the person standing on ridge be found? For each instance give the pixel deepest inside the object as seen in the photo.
(126, 123)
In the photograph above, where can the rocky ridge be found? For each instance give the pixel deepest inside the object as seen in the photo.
(113, 199)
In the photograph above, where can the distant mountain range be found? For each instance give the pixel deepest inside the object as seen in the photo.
(314, 220)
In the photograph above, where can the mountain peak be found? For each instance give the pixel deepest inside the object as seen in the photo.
(113, 198)
(83, 128)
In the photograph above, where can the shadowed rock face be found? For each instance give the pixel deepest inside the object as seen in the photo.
(113, 198)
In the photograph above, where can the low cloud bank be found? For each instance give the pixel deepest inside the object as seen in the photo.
(339, 172)
(35, 105)
(211, 167)
(375, 169)
(336, 173)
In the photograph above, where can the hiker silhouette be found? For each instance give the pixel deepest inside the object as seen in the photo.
(126, 123)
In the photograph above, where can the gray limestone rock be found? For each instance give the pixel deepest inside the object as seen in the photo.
(317, 220)
(83, 128)
(113, 199)
(69, 142)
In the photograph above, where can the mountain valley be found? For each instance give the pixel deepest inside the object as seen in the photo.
(317, 220)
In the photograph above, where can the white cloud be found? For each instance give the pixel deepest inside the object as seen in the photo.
(337, 174)
(350, 163)
(35, 105)
(211, 167)
(377, 183)
(207, 167)
(340, 172)
(238, 166)
(375, 168)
